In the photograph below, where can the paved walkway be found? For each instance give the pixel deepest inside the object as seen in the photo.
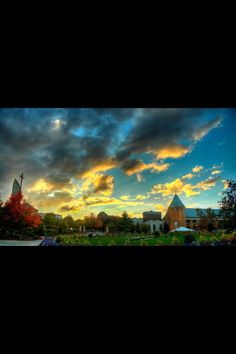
(19, 243)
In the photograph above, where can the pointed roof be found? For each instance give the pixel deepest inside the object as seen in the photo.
(176, 202)
(15, 187)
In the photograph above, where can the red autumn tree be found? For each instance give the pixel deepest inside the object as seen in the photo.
(19, 215)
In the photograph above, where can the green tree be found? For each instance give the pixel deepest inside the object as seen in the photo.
(228, 204)
(207, 220)
(125, 222)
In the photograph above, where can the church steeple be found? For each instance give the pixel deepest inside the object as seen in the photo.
(176, 202)
(175, 216)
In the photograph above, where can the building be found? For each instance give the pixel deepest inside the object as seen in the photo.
(151, 218)
(177, 215)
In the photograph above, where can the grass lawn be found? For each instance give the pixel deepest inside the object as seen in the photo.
(147, 240)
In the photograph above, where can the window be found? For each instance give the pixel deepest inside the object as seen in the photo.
(176, 223)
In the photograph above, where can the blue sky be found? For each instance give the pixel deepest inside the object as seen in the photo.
(78, 161)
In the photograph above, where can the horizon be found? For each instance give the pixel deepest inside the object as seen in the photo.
(82, 161)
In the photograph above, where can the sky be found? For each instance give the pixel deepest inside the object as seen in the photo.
(87, 160)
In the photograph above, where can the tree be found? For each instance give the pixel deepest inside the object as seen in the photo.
(207, 221)
(228, 204)
(19, 217)
(125, 222)
(166, 228)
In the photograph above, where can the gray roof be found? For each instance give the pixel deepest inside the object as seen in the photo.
(176, 202)
(191, 212)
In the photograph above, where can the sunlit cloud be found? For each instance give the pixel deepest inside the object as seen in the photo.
(197, 168)
(140, 197)
(175, 151)
(124, 197)
(179, 186)
(188, 176)
(215, 172)
(41, 186)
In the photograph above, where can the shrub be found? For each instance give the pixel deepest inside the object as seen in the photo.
(127, 243)
(86, 243)
(175, 241)
(143, 243)
(99, 243)
(189, 238)
(202, 239)
(156, 234)
(112, 243)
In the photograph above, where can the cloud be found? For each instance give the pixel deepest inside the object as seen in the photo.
(137, 166)
(166, 133)
(215, 172)
(65, 208)
(104, 185)
(124, 197)
(197, 168)
(225, 183)
(140, 197)
(55, 146)
(179, 186)
(174, 151)
(98, 184)
(206, 128)
(188, 176)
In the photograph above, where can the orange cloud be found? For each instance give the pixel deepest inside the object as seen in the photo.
(140, 197)
(175, 151)
(197, 168)
(41, 186)
(188, 176)
(138, 168)
(179, 186)
(215, 172)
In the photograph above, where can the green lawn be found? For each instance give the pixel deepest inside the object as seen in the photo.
(148, 240)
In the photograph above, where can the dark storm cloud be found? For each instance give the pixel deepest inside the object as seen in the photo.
(69, 208)
(132, 164)
(42, 142)
(31, 140)
(104, 184)
(156, 129)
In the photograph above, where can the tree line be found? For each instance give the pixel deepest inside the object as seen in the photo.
(18, 219)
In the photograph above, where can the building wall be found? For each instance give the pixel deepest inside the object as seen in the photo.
(154, 225)
(175, 217)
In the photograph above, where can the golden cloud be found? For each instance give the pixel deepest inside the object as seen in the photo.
(140, 197)
(98, 184)
(142, 166)
(188, 176)
(124, 197)
(175, 151)
(179, 186)
(100, 167)
(215, 172)
(197, 168)
(160, 207)
(41, 186)
(225, 183)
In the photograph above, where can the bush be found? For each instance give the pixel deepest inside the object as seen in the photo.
(127, 243)
(156, 233)
(189, 238)
(143, 243)
(112, 243)
(86, 243)
(175, 241)
(159, 243)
